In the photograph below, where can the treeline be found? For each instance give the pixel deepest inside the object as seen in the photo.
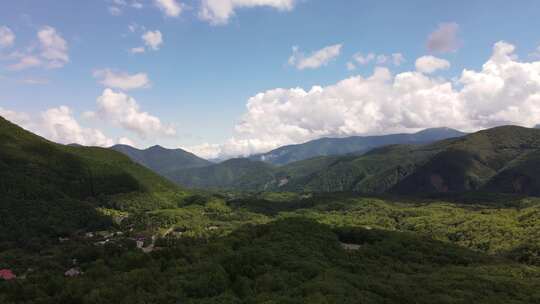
(289, 261)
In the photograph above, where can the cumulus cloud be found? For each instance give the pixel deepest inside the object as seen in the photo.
(53, 52)
(218, 12)
(504, 91)
(121, 80)
(124, 111)
(316, 59)
(444, 39)
(153, 39)
(19, 118)
(171, 8)
(58, 125)
(53, 47)
(7, 37)
(430, 64)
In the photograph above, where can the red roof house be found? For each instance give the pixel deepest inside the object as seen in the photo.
(7, 274)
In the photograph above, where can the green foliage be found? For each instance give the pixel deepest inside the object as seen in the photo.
(502, 160)
(293, 260)
(53, 189)
(161, 160)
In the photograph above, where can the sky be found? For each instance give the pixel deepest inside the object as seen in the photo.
(227, 78)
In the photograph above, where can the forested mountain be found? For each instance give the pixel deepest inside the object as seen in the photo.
(347, 145)
(173, 246)
(48, 188)
(503, 159)
(162, 160)
(239, 173)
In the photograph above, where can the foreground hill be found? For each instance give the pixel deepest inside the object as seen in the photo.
(355, 144)
(51, 188)
(162, 160)
(503, 159)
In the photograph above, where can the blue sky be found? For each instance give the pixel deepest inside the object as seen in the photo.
(202, 74)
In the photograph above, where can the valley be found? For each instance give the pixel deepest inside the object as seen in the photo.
(100, 226)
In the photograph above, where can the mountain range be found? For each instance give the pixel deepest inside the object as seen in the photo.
(162, 160)
(354, 144)
(503, 159)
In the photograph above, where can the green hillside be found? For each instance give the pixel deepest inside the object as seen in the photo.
(503, 159)
(53, 188)
(471, 162)
(240, 173)
(349, 145)
(161, 160)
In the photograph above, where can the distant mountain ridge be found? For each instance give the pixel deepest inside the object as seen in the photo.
(347, 145)
(162, 160)
(499, 160)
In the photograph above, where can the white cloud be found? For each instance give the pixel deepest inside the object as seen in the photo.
(7, 37)
(504, 91)
(398, 59)
(126, 141)
(381, 59)
(53, 52)
(137, 50)
(137, 5)
(316, 59)
(58, 125)
(153, 39)
(536, 53)
(35, 81)
(218, 12)
(121, 80)
(22, 119)
(117, 6)
(207, 151)
(115, 10)
(430, 64)
(444, 39)
(124, 111)
(351, 66)
(26, 62)
(53, 47)
(363, 60)
(171, 8)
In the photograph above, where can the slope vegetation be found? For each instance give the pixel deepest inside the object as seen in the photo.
(348, 145)
(47, 187)
(162, 160)
(503, 159)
